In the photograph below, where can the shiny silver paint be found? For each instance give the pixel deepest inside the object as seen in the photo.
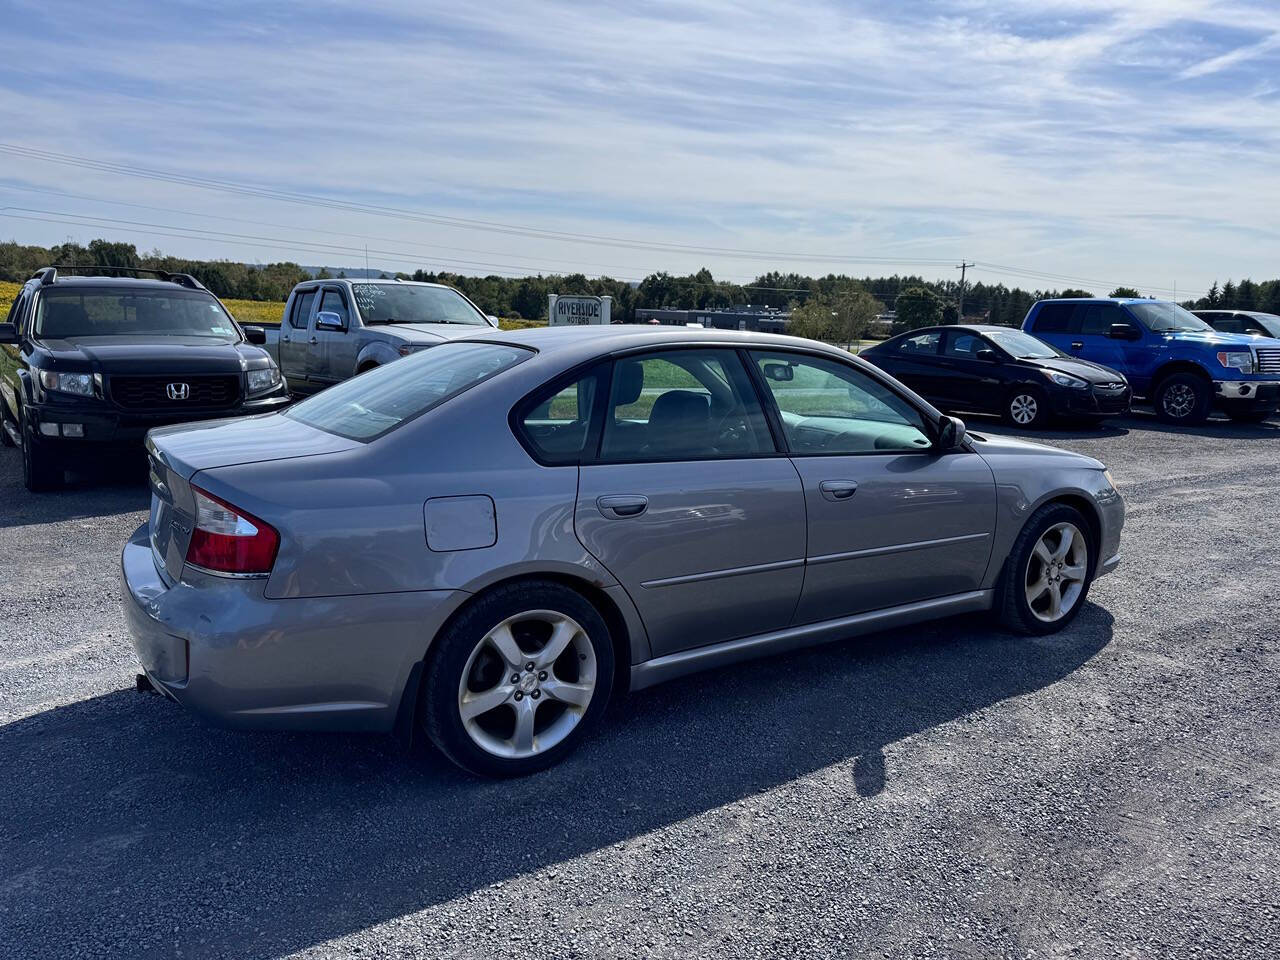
(728, 559)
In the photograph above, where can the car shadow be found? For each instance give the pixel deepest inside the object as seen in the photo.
(107, 488)
(132, 828)
(1140, 420)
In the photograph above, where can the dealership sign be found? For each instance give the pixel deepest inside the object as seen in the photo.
(577, 311)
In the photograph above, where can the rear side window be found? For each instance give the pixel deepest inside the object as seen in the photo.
(374, 403)
(556, 423)
(302, 310)
(926, 343)
(1054, 318)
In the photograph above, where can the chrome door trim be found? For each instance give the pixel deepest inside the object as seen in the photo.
(678, 664)
(721, 574)
(897, 548)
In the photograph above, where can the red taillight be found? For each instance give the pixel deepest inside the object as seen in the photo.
(225, 539)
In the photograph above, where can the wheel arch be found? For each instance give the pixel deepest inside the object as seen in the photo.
(1167, 370)
(622, 636)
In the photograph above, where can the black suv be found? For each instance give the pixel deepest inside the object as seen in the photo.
(88, 363)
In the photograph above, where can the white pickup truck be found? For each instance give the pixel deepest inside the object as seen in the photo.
(334, 329)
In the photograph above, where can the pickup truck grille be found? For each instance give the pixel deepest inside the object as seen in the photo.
(138, 393)
(1269, 359)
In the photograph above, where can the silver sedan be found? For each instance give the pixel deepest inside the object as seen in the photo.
(488, 540)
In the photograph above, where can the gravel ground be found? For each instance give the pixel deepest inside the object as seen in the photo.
(941, 791)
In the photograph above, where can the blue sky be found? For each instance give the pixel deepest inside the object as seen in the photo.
(1097, 140)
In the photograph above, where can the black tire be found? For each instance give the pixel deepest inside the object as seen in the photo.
(1250, 416)
(1022, 400)
(440, 710)
(1011, 604)
(41, 469)
(5, 439)
(1183, 398)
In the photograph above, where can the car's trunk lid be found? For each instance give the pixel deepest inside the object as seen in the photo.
(176, 454)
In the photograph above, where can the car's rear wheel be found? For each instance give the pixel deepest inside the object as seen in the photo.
(517, 679)
(1183, 398)
(1046, 577)
(1026, 407)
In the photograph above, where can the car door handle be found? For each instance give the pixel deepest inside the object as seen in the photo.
(313, 340)
(285, 340)
(1077, 344)
(838, 489)
(622, 506)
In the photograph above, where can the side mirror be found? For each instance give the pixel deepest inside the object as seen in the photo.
(951, 434)
(328, 320)
(1124, 331)
(987, 356)
(8, 333)
(779, 372)
(255, 335)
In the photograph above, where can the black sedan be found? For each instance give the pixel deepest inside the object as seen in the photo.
(990, 369)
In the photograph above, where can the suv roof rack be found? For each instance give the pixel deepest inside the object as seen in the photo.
(48, 275)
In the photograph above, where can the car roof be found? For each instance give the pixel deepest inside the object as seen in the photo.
(390, 281)
(574, 343)
(1102, 300)
(145, 283)
(971, 327)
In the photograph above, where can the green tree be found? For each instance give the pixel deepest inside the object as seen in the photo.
(918, 307)
(1128, 292)
(1084, 294)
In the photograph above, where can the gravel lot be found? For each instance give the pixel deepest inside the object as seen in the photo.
(943, 791)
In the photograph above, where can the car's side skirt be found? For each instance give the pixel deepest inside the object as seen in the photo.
(673, 665)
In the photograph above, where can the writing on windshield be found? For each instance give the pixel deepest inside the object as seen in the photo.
(414, 303)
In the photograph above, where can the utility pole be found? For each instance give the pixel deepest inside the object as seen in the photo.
(960, 309)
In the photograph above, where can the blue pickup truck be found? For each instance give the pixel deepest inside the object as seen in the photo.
(1171, 358)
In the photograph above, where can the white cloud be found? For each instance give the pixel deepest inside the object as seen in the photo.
(1003, 131)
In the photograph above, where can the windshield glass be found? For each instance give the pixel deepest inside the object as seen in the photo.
(118, 312)
(414, 303)
(367, 406)
(1266, 321)
(1022, 345)
(1163, 317)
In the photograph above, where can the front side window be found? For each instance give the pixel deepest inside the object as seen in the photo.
(683, 405)
(1096, 318)
(829, 408)
(414, 303)
(367, 406)
(964, 346)
(555, 425)
(104, 312)
(333, 302)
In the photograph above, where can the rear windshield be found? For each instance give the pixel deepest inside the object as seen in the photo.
(414, 303)
(116, 312)
(367, 406)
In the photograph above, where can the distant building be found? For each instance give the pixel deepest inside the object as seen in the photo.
(737, 317)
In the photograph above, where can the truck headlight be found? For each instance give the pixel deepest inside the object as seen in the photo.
(79, 384)
(1241, 360)
(263, 380)
(1066, 380)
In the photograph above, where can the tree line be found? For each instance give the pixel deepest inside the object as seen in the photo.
(833, 307)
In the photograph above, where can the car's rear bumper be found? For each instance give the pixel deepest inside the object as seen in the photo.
(220, 648)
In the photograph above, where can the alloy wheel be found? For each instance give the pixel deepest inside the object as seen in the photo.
(527, 684)
(1179, 401)
(1023, 408)
(1056, 572)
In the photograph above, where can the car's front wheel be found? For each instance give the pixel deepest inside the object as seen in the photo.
(1026, 407)
(1183, 398)
(41, 469)
(1046, 577)
(516, 680)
